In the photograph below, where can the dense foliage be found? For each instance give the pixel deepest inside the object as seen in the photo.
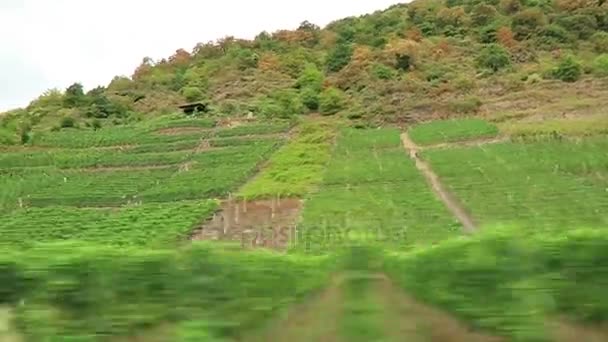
(363, 67)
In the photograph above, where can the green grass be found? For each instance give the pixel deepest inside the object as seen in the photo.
(446, 131)
(145, 225)
(583, 126)
(510, 286)
(372, 190)
(197, 292)
(541, 185)
(297, 167)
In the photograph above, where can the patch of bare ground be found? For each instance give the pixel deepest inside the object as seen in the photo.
(549, 100)
(565, 331)
(261, 223)
(316, 319)
(449, 200)
(410, 320)
(181, 130)
(466, 143)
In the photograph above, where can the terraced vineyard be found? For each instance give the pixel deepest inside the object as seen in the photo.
(362, 205)
(547, 184)
(372, 190)
(115, 184)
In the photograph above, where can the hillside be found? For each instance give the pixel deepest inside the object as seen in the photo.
(435, 171)
(418, 61)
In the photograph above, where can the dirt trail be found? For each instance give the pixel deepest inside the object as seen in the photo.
(409, 320)
(314, 320)
(448, 199)
(466, 143)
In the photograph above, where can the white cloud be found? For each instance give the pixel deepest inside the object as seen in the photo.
(55, 43)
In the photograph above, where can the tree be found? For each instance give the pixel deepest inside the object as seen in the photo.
(483, 14)
(493, 57)
(510, 6)
(339, 57)
(311, 77)
(527, 22)
(331, 101)
(582, 25)
(74, 96)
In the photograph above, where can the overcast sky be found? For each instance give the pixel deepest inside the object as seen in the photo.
(52, 43)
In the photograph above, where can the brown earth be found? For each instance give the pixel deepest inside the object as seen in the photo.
(410, 320)
(316, 319)
(261, 223)
(466, 143)
(181, 130)
(446, 197)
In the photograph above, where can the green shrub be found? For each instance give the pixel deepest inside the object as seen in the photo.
(600, 65)
(331, 101)
(600, 41)
(382, 72)
(526, 22)
(483, 14)
(67, 122)
(552, 36)
(488, 34)
(339, 57)
(310, 98)
(581, 25)
(494, 57)
(282, 104)
(192, 93)
(568, 70)
(312, 78)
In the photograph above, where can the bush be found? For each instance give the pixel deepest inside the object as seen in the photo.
(282, 104)
(494, 57)
(67, 122)
(192, 93)
(483, 14)
(600, 65)
(582, 25)
(382, 72)
(488, 34)
(331, 101)
(527, 22)
(311, 77)
(552, 36)
(339, 57)
(310, 98)
(600, 42)
(568, 70)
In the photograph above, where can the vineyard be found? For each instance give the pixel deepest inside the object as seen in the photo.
(369, 225)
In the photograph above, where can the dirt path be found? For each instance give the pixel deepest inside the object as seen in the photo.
(448, 199)
(314, 320)
(466, 143)
(408, 320)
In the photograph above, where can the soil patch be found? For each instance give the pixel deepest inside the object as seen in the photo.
(261, 223)
(446, 197)
(181, 130)
(564, 331)
(316, 319)
(410, 320)
(466, 143)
